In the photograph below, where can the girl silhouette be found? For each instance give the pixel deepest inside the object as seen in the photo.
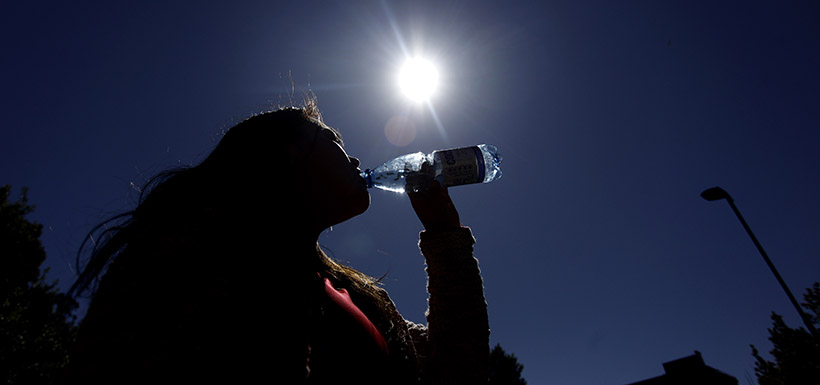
(217, 275)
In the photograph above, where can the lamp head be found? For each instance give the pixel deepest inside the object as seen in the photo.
(714, 194)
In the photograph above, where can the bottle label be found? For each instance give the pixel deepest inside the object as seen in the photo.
(459, 166)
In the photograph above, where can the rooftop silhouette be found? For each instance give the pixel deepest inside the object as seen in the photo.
(689, 370)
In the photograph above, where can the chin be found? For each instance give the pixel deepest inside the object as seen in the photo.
(354, 207)
(362, 206)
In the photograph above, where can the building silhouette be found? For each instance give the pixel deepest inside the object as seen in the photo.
(689, 370)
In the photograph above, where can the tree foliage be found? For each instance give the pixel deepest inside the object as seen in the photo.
(504, 368)
(796, 352)
(36, 321)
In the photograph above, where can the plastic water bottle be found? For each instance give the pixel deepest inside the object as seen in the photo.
(453, 167)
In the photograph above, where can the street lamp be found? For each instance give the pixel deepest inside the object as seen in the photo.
(717, 193)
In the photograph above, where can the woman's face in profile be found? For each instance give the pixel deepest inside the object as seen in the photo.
(338, 192)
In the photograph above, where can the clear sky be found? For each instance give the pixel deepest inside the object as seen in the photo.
(600, 259)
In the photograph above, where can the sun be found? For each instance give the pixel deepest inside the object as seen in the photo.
(418, 79)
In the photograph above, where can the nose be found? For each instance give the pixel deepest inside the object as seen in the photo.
(355, 161)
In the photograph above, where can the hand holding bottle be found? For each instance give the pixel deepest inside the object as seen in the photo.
(431, 201)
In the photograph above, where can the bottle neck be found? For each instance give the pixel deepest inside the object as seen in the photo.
(368, 177)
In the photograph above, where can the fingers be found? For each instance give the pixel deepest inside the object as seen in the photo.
(425, 193)
(431, 201)
(434, 207)
(419, 180)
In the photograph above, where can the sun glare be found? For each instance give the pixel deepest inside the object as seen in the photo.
(418, 79)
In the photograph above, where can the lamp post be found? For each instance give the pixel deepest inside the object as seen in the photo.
(717, 193)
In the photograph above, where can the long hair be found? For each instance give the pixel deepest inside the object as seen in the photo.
(215, 241)
(177, 199)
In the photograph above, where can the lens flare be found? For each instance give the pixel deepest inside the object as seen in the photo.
(400, 131)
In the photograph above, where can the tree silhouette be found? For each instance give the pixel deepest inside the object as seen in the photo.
(504, 368)
(36, 321)
(796, 352)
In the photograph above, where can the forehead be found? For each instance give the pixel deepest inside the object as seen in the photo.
(330, 132)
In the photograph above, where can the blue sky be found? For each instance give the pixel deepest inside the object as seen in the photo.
(600, 259)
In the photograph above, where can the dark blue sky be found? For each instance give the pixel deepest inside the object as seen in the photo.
(600, 259)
